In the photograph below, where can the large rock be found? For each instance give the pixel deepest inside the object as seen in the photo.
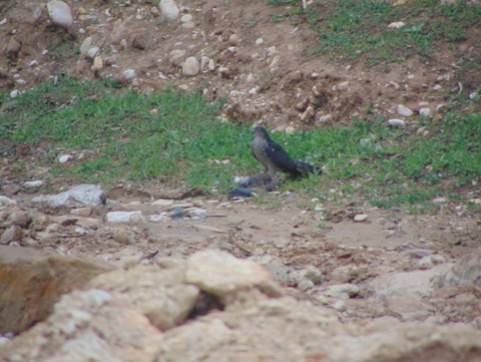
(60, 13)
(288, 330)
(219, 273)
(82, 194)
(87, 326)
(32, 282)
(465, 273)
(161, 294)
(169, 9)
(191, 66)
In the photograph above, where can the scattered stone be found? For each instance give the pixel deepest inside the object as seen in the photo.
(60, 13)
(129, 74)
(188, 25)
(11, 234)
(92, 52)
(158, 217)
(360, 217)
(15, 93)
(98, 64)
(395, 122)
(33, 185)
(86, 45)
(82, 194)
(404, 111)
(396, 25)
(342, 291)
(313, 274)
(163, 202)
(124, 217)
(339, 305)
(176, 56)
(82, 211)
(221, 274)
(323, 118)
(13, 48)
(187, 18)
(33, 63)
(427, 262)
(191, 66)
(259, 41)
(305, 284)
(64, 158)
(206, 64)
(439, 200)
(425, 112)
(20, 218)
(5, 201)
(122, 236)
(169, 9)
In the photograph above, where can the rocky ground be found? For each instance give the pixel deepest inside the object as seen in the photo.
(130, 273)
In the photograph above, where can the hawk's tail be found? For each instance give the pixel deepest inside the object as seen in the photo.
(304, 169)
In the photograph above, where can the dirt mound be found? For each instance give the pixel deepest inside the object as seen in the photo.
(262, 66)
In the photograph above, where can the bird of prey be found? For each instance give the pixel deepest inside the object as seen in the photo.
(273, 157)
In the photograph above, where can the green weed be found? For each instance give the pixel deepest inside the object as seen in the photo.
(175, 137)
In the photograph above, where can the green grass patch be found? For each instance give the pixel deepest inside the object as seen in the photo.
(350, 29)
(176, 137)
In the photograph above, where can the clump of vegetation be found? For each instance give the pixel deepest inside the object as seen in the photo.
(176, 137)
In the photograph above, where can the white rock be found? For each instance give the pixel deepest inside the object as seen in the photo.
(425, 112)
(206, 64)
(64, 158)
(191, 66)
(188, 25)
(360, 217)
(259, 41)
(305, 284)
(86, 45)
(60, 13)
(169, 9)
(3, 21)
(429, 261)
(84, 194)
(324, 118)
(15, 93)
(342, 291)
(33, 63)
(176, 56)
(129, 74)
(271, 51)
(124, 217)
(340, 306)
(404, 111)
(186, 18)
(33, 184)
(396, 25)
(162, 202)
(439, 200)
(395, 122)
(4, 200)
(92, 52)
(98, 64)
(220, 273)
(158, 217)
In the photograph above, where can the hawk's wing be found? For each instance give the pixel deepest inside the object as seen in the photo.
(281, 159)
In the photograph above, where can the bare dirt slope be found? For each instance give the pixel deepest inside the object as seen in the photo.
(265, 68)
